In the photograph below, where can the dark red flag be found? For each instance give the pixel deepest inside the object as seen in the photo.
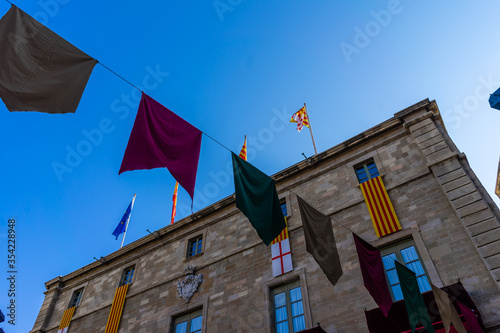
(162, 139)
(373, 272)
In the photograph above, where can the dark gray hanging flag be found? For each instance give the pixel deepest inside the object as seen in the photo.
(320, 241)
(39, 70)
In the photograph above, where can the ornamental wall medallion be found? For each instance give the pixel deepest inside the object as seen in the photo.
(187, 287)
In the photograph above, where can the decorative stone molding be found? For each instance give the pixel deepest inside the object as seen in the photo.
(187, 287)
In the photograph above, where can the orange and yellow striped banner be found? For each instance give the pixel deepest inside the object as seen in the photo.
(174, 204)
(379, 205)
(116, 309)
(243, 152)
(497, 188)
(283, 235)
(66, 319)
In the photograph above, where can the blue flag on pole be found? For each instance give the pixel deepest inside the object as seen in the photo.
(122, 226)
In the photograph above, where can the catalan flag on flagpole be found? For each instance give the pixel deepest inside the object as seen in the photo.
(281, 254)
(116, 309)
(243, 152)
(380, 207)
(301, 117)
(66, 319)
(174, 205)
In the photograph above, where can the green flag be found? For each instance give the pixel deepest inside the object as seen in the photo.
(257, 198)
(414, 301)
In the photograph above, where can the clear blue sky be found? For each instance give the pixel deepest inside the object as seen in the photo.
(241, 68)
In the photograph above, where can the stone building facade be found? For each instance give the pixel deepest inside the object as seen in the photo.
(444, 211)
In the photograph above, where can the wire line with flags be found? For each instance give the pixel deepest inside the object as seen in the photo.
(123, 225)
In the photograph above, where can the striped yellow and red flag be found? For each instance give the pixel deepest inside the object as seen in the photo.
(116, 309)
(174, 206)
(66, 319)
(379, 205)
(243, 152)
(283, 235)
(300, 117)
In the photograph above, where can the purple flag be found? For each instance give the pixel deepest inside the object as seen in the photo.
(470, 318)
(162, 139)
(373, 272)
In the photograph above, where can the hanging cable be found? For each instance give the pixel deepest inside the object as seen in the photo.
(216, 141)
(121, 77)
(134, 86)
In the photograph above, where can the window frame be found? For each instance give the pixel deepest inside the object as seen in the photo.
(285, 199)
(123, 277)
(79, 297)
(361, 159)
(188, 317)
(365, 165)
(286, 288)
(284, 203)
(182, 310)
(397, 248)
(190, 241)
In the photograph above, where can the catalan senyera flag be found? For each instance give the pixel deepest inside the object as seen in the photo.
(281, 254)
(116, 309)
(66, 319)
(379, 205)
(243, 152)
(300, 117)
(174, 206)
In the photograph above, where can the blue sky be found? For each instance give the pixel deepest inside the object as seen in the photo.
(230, 68)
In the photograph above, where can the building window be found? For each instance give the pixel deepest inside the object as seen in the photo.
(76, 298)
(366, 171)
(127, 275)
(190, 323)
(288, 308)
(283, 207)
(194, 246)
(405, 253)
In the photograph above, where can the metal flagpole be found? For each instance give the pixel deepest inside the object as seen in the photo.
(128, 220)
(310, 129)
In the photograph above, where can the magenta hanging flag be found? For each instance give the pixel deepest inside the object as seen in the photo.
(162, 139)
(372, 269)
(470, 318)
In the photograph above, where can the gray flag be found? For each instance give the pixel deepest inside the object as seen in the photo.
(39, 70)
(447, 311)
(320, 241)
